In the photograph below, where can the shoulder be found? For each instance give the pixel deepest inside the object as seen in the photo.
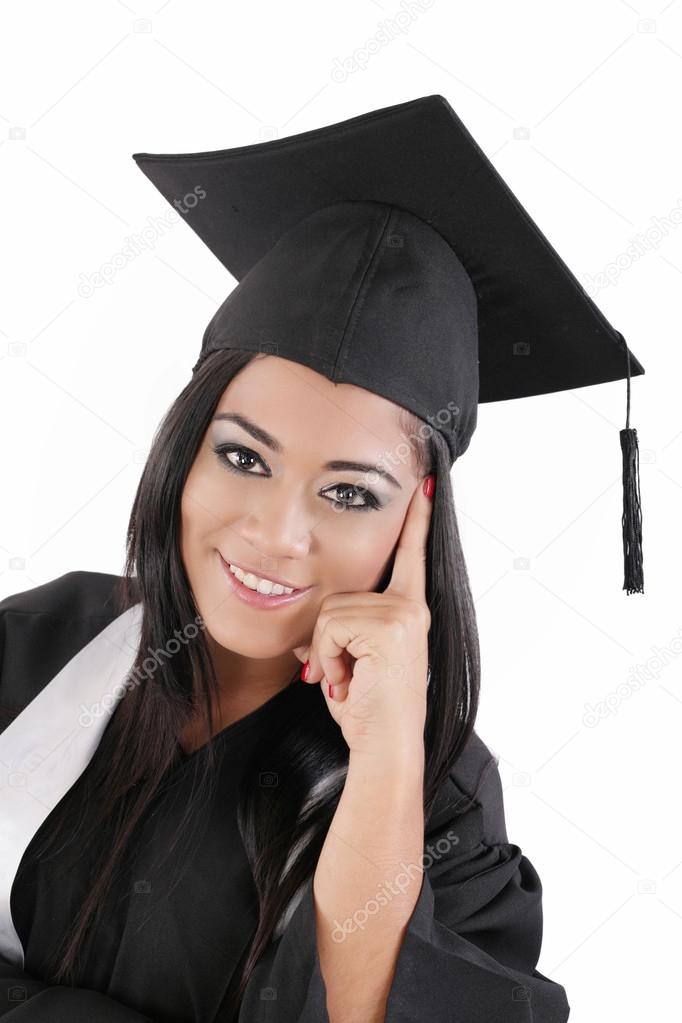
(471, 796)
(43, 627)
(74, 595)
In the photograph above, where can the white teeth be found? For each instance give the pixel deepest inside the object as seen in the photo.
(254, 582)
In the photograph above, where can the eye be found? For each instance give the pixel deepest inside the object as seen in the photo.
(245, 459)
(243, 464)
(369, 500)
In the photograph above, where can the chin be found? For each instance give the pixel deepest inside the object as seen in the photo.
(257, 642)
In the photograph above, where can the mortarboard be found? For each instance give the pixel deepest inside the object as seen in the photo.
(386, 251)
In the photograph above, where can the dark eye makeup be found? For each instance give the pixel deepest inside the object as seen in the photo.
(222, 451)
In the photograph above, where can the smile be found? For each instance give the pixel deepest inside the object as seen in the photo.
(259, 591)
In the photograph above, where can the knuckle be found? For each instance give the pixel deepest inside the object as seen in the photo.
(396, 626)
(323, 620)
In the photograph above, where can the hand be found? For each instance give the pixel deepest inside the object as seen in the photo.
(372, 647)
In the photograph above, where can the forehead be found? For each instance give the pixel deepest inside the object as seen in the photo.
(304, 409)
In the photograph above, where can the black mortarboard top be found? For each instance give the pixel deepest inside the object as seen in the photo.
(386, 251)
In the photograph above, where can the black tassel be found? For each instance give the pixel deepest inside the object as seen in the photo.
(632, 511)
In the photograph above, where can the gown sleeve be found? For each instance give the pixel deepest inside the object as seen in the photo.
(470, 948)
(26, 1000)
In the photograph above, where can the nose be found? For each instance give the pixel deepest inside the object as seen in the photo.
(279, 528)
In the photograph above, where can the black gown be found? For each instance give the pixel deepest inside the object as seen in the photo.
(177, 922)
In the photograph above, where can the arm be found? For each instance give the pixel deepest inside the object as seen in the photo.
(470, 949)
(364, 895)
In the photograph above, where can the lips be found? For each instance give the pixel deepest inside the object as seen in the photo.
(259, 575)
(254, 598)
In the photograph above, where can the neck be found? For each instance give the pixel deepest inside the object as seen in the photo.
(245, 683)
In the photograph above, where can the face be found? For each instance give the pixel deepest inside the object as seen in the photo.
(263, 494)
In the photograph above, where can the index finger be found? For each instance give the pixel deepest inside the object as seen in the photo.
(408, 577)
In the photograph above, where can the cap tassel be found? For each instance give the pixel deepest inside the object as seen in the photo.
(632, 511)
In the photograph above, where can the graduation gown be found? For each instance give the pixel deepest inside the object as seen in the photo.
(178, 920)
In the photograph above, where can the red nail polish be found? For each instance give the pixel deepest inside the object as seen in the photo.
(330, 689)
(429, 486)
(305, 671)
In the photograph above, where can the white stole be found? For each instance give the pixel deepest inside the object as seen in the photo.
(46, 748)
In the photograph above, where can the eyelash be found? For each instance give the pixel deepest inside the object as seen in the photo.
(223, 450)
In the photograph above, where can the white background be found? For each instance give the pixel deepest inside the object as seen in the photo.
(578, 106)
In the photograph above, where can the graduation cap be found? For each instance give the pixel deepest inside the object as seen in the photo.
(386, 251)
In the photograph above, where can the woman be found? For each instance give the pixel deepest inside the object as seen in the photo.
(192, 515)
(225, 835)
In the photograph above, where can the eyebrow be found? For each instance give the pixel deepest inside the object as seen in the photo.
(259, 434)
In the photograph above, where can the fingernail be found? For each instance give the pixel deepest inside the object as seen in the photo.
(305, 671)
(330, 690)
(429, 486)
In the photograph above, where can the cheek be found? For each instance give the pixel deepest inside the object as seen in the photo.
(206, 503)
(356, 559)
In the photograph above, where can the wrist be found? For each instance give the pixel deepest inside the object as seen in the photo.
(405, 760)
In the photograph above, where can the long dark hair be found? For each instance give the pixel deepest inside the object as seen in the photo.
(283, 833)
